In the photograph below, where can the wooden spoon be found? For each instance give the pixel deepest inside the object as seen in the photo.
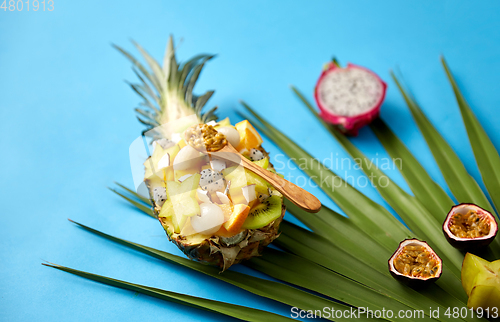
(292, 192)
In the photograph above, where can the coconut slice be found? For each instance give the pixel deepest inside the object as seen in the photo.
(184, 177)
(203, 196)
(223, 198)
(164, 143)
(164, 161)
(249, 192)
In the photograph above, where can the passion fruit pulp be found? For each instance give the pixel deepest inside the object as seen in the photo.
(469, 227)
(415, 263)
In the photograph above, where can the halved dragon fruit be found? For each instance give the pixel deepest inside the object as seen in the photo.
(349, 97)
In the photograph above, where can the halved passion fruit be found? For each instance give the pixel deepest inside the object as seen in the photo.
(469, 227)
(415, 263)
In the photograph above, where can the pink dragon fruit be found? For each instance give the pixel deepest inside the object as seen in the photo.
(349, 97)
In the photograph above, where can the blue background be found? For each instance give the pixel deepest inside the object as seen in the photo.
(66, 122)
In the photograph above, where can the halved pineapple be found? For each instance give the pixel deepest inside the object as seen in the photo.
(185, 192)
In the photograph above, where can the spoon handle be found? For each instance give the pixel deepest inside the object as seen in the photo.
(292, 192)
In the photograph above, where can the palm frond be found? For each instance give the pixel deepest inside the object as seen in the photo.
(265, 288)
(413, 212)
(487, 157)
(461, 183)
(236, 311)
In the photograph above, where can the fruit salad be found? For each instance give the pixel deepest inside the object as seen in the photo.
(197, 196)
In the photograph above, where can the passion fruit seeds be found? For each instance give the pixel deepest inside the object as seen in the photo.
(415, 263)
(205, 137)
(468, 226)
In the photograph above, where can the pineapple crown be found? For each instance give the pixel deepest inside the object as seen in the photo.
(167, 91)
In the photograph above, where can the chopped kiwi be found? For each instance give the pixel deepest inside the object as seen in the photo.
(264, 213)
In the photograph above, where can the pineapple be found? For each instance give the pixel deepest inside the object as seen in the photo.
(187, 189)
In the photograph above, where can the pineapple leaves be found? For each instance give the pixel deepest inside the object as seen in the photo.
(159, 78)
(169, 56)
(188, 68)
(148, 115)
(138, 65)
(202, 100)
(232, 310)
(193, 79)
(170, 87)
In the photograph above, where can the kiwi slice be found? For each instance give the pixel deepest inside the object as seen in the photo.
(264, 213)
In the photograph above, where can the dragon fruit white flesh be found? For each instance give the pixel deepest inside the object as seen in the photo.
(212, 181)
(349, 97)
(159, 196)
(256, 155)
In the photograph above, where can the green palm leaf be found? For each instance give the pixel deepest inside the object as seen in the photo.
(426, 190)
(139, 205)
(370, 217)
(418, 218)
(341, 231)
(461, 183)
(232, 310)
(268, 289)
(306, 274)
(320, 251)
(345, 290)
(487, 157)
(313, 247)
(449, 283)
(135, 194)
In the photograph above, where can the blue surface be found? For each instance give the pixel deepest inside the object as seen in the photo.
(66, 122)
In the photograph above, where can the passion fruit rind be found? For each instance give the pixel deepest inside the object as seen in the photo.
(469, 227)
(415, 263)
(223, 252)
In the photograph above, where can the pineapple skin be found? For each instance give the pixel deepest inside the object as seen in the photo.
(214, 252)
